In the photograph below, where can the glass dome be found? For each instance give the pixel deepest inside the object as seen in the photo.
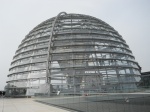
(72, 53)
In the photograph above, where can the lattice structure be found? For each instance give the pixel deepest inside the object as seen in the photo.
(72, 53)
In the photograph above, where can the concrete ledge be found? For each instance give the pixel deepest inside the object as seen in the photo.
(26, 105)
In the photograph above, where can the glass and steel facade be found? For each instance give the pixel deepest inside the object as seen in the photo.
(73, 53)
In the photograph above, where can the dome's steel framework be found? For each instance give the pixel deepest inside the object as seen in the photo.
(73, 53)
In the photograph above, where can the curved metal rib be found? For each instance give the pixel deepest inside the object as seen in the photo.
(49, 48)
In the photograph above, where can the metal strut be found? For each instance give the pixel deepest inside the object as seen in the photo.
(48, 65)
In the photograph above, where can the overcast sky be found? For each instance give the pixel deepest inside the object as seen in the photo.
(131, 18)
